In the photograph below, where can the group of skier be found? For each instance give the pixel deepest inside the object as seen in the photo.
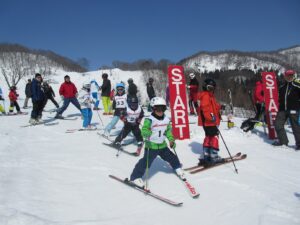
(156, 128)
(288, 110)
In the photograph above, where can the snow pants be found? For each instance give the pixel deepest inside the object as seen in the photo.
(106, 104)
(87, 116)
(67, 101)
(280, 120)
(52, 100)
(12, 105)
(211, 144)
(135, 129)
(111, 124)
(2, 110)
(151, 154)
(26, 102)
(37, 109)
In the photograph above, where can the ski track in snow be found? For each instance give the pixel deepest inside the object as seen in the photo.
(49, 177)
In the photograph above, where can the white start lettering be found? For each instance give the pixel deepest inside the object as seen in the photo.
(179, 108)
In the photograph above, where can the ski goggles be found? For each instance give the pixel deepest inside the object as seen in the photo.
(120, 89)
(160, 108)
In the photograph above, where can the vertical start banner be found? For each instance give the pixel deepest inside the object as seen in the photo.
(271, 100)
(178, 102)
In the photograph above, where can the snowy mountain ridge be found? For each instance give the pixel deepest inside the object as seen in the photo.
(232, 60)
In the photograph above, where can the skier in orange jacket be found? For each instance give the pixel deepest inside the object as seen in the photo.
(209, 117)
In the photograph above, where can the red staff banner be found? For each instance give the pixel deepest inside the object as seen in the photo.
(178, 102)
(271, 100)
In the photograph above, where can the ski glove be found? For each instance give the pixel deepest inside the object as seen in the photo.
(172, 144)
(123, 118)
(138, 120)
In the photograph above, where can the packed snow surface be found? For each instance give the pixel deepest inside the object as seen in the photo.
(50, 177)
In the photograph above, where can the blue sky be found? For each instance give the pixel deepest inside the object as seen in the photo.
(103, 31)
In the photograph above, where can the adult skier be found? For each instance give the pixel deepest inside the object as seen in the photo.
(86, 100)
(132, 118)
(27, 93)
(119, 105)
(193, 90)
(259, 100)
(38, 97)
(209, 117)
(49, 94)
(95, 93)
(68, 93)
(105, 94)
(132, 88)
(155, 130)
(289, 106)
(150, 91)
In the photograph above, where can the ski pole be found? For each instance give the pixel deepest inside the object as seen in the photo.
(228, 151)
(100, 118)
(147, 168)
(120, 142)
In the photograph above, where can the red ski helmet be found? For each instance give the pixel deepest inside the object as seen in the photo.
(289, 72)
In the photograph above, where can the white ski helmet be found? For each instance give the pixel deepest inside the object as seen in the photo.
(192, 75)
(156, 101)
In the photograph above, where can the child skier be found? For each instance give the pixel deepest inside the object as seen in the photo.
(132, 118)
(119, 105)
(155, 130)
(2, 109)
(13, 96)
(209, 117)
(85, 100)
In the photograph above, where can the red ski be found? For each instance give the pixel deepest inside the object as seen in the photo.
(147, 192)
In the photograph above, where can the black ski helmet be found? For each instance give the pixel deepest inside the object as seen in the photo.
(105, 76)
(209, 84)
(133, 102)
(150, 80)
(130, 81)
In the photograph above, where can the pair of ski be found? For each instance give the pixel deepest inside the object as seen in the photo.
(63, 118)
(46, 123)
(120, 148)
(197, 169)
(192, 191)
(81, 129)
(15, 114)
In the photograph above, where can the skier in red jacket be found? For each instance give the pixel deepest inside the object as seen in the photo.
(68, 93)
(193, 90)
(13, 97)
(209, 117)
(259, 99)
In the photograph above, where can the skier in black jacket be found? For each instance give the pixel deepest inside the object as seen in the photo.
(105, 95)
(289, 106)
(132, 88)
(49, 94)
(27, 93)
(150, 92)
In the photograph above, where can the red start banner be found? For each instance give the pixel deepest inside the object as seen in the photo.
(271, 100)
(178, 102)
